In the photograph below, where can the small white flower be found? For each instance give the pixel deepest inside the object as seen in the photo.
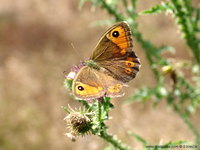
(71, 75)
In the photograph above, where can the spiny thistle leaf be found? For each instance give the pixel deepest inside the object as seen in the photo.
(158, 9)
(166, 48)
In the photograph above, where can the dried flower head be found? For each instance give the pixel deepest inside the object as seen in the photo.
(79, 122)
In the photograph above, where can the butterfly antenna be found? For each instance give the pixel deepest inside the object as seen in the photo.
(78, 53)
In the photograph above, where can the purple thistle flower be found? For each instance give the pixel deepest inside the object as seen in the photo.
(78, 67)
(82, 63)
(75, 69)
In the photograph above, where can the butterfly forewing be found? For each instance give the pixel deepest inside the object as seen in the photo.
(116, 43)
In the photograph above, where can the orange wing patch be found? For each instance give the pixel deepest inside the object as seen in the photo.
(115, 89)
(123, 51)
(118, 36)
(128, 70)
(84, 89)
(129, 58)
(129, 64)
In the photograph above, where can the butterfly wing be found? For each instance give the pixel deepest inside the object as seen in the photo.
(114, 53)
(90, 83)
(123, 70)
(86, 84)
(116, 43)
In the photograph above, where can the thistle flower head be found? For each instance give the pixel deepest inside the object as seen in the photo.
(79, 122)
(76, 68)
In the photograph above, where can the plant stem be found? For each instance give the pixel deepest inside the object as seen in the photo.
(114, 141)
(102, 127)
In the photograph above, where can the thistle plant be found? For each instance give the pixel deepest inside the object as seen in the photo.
(90, 119)
(183, 95)
(186, 17)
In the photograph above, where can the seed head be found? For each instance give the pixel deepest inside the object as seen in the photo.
(79, 122)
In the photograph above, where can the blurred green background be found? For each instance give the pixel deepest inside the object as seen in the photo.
(36, 39)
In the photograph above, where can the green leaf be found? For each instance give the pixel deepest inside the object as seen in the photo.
(166, 48)
(68, 84)
(139, 138)
(158, 9)
(141, 94)
(65, 109)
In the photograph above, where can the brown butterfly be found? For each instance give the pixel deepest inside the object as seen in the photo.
(112, 64)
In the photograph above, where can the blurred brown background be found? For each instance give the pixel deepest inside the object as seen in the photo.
(35, 49)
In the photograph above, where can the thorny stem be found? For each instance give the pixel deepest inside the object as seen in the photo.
(102, 127)
(185, 21)
(112, 140)
(112, 11)
(103, 133)
(99, 112)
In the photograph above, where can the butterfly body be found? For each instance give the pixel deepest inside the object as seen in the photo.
(112, 64)
(91, 64)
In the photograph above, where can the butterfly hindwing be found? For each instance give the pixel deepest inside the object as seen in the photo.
(91, 84)
(123, 70)
(86, 84)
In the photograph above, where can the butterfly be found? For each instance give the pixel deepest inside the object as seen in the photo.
(112, 64)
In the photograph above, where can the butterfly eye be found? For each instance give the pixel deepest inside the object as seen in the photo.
(80, 88)
(115, 34)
